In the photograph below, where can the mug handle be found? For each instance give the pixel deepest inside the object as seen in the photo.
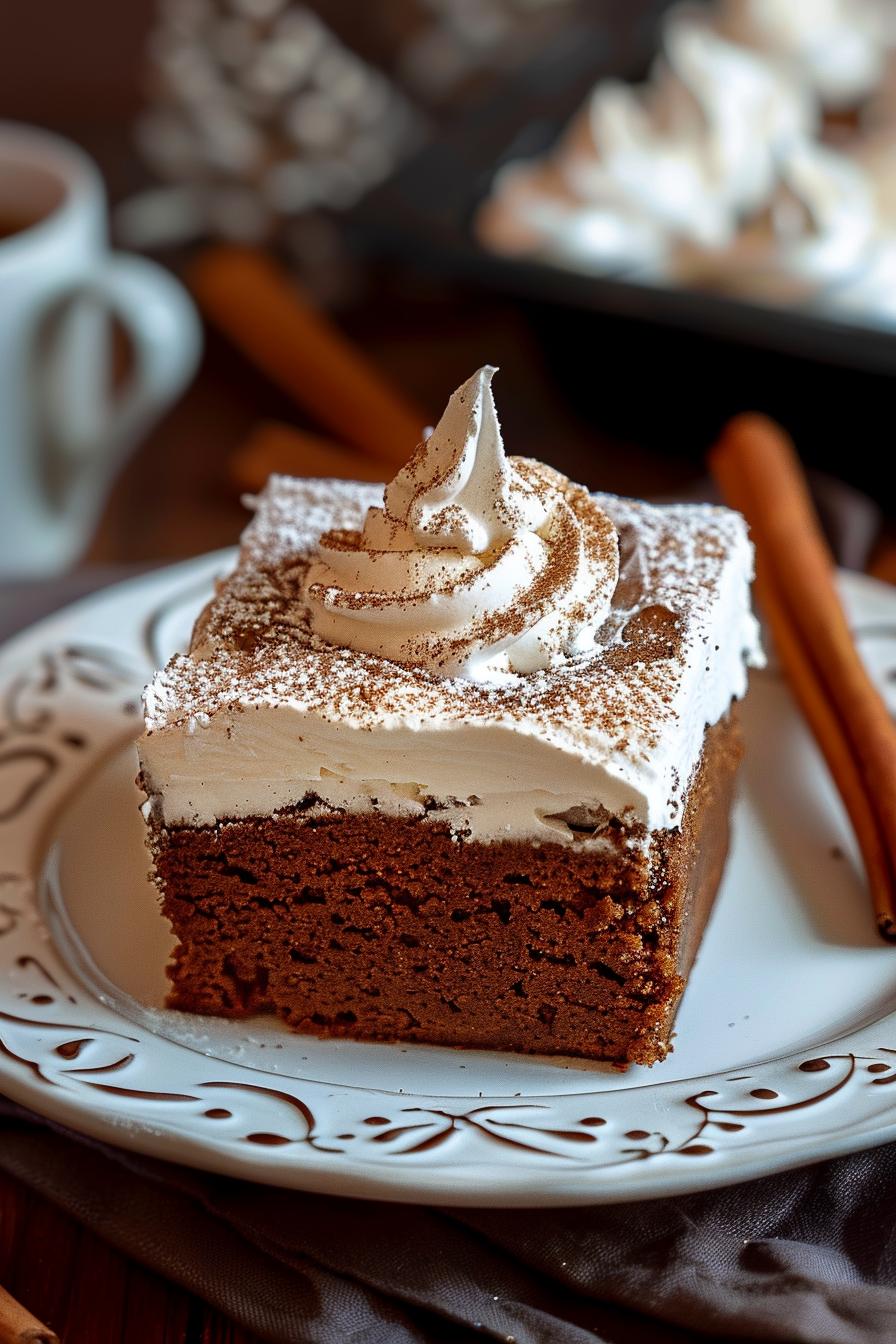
(166, 332)
(166, 338)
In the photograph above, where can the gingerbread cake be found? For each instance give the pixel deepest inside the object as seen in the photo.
(454, 763)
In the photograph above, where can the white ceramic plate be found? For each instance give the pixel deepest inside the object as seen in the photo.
(786, 1045)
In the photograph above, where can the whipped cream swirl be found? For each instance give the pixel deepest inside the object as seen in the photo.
(477, 566)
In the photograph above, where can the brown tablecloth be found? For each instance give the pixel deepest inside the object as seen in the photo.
(809, 1255)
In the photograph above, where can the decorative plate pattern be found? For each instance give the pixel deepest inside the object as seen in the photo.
(811, 1079)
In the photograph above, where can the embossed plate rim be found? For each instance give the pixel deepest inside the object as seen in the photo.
(67, 700)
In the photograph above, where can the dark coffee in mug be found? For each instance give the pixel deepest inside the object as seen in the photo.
(28, 194)
(13, 222)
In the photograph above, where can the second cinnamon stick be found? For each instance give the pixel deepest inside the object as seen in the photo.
(759, 473)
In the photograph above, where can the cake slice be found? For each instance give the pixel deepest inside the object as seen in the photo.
(454, 766)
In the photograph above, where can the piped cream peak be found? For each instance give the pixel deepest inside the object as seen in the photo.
(477, 565)
(458, 489)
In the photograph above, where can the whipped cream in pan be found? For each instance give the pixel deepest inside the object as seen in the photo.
(264, 711)
(716, 173)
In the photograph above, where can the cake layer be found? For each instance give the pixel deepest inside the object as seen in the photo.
(263, 712)
(376, 927)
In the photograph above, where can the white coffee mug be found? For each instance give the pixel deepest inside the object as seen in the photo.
(64, 430)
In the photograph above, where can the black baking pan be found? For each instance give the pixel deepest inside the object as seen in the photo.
(651, 364)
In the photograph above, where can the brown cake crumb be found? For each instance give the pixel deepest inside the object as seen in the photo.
(382, 928)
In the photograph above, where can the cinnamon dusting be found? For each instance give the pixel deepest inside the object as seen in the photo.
(255, 644)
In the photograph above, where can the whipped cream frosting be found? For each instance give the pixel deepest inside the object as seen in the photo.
(701, 151)
(838, 47)
(262, 712)
(476, 565)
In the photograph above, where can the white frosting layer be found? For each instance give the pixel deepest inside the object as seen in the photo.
(474, 566)
(838, 47)
(241, 729)
(259, 761)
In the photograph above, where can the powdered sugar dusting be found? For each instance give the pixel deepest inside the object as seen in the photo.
(291, 516)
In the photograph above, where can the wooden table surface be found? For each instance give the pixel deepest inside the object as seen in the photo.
(90, 1293)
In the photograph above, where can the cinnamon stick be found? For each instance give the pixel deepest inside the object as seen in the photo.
(261, 308)
(759, 474)
(18, 1326)
(275, 447)
(835, 747)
